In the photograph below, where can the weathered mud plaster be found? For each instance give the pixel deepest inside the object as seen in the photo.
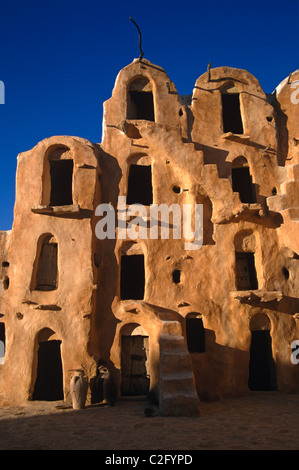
(190, 331)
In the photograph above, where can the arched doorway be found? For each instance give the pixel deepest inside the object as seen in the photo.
(135, 378)
(262, 370)
(49, 377)
(195, 333)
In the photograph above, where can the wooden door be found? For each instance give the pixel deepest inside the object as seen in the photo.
(134, 366)
(47, 267)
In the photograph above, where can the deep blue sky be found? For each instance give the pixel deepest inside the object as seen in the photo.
(60, 58)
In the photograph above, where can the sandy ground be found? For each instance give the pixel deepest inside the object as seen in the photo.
(262, 420)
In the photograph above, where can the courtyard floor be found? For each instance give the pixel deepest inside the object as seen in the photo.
(262, 420)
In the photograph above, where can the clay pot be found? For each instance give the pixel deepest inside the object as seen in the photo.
(78, 388)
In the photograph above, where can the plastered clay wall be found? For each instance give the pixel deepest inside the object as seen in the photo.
(239, 286)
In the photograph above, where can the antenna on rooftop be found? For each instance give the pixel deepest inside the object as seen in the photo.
(139, 32)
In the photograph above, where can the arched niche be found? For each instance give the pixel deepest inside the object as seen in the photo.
(58, 176)
(140, 99)
(242, 180)
(231, 110)
(132, 272)
(140, 185)
(245, 271)
(45, 269)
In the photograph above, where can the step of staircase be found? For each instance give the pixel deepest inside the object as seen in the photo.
(177, 392)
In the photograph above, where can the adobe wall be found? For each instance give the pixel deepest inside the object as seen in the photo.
(187, 148)
(64, 313)
(191, 159)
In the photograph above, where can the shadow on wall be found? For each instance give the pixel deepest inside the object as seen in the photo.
(104, 321)
(282, 134)
(220, 370)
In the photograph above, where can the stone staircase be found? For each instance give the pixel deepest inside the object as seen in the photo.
(288, 199)
(177, 392)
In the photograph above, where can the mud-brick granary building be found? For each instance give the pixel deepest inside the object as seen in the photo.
(188, 325)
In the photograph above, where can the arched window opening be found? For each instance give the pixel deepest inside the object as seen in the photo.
(245, 246)
(195, 333)
(61, 176)
(140, 102)
(2, 343)
(140, 189)
(61, 172)
(231, 112)
(246, 278)
(46, 278)
(262, 370)
(132, 274)
(242, 180)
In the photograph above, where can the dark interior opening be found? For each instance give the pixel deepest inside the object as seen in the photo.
(246, 277)
(231, 113)
(135, 379)
(176, 189)
(195, 334)
(2, 342)
(176, 276)
(49, 380)
(140, 185)
(6, 282)
(285, 272)
(47, 271)
(141, 105)
(242, 184)
(262, 374)
(132, 277)
(61, 172)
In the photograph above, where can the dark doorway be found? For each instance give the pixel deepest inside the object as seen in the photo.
(61, 172)
(231, 113)
(242, 184)
(132, 277)
(140, 185)
(141, 105)
(262, 374)
(195, 334)
(49, 380)
(135, 378)
(245, 271)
